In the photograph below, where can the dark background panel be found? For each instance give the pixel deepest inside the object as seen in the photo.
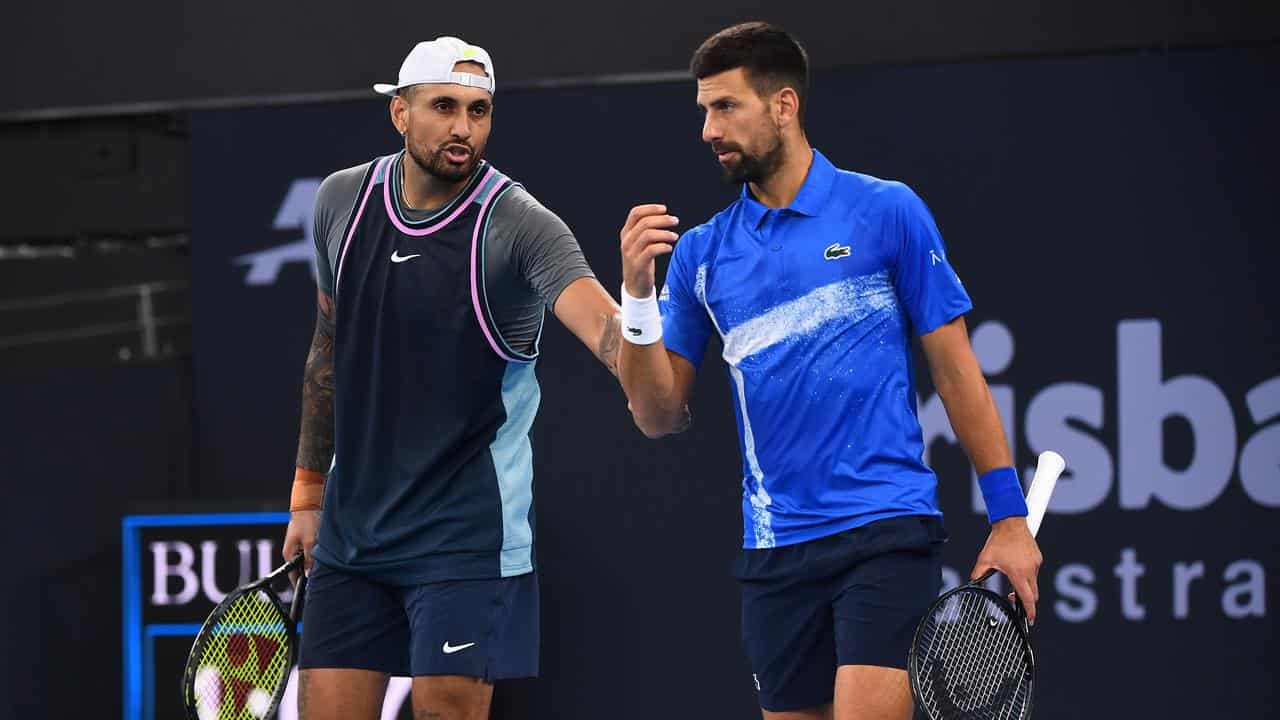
(80, 449)
(63, 54)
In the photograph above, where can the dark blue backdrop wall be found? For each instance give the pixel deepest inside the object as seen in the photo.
(1113, 218)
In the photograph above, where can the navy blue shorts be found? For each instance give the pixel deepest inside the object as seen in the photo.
(853, 598)
(478, 628)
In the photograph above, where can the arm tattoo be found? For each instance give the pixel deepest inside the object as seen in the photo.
(315, 441)
(610, 342)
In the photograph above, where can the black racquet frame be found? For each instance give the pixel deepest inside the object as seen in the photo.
(1016, 612)
(290, 617)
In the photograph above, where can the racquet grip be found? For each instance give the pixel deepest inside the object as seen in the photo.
(1048, 468)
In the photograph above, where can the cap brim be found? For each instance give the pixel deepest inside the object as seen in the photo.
(385, 89)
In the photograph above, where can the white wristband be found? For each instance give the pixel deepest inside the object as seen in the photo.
(641, 321)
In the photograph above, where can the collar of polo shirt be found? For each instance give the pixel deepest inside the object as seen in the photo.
(809, 201)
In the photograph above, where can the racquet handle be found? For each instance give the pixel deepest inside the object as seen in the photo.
(1048, 468)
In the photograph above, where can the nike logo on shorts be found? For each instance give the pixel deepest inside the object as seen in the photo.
(451, 649)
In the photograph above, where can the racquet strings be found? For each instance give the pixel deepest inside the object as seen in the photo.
(972, 663)
(244, 660)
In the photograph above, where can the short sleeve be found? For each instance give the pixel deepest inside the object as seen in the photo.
(927, 286)
(546, 252)
(685, 324)
(334, 203)
(320, 224)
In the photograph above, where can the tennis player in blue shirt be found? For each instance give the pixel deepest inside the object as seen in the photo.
(816, 279)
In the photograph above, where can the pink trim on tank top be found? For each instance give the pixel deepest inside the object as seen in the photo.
(395, 217)
(475, 272)
(354, 223)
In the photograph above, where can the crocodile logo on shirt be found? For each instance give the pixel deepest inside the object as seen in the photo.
(835, 251)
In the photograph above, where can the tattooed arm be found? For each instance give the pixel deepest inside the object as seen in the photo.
(315, 441)
(591, 314)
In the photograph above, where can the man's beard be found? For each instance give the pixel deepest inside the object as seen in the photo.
(438, 166)
(754, 168)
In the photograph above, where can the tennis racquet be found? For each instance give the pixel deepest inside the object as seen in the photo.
(971, 655)
(240, 661)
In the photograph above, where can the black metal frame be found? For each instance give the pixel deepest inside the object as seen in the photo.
(1016, 613)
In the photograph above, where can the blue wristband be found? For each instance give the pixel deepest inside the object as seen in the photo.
(1003, 493)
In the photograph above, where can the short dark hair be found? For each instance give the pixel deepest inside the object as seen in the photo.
(772, 58)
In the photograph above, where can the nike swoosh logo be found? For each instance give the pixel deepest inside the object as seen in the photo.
(451, 649)
(634, 331)
(396, 257)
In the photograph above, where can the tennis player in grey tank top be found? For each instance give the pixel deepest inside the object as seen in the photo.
(425, 564)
